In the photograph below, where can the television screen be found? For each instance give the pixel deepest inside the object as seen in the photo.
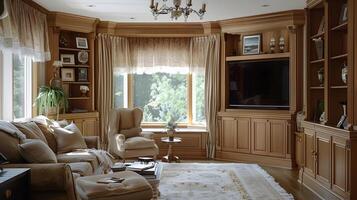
(259, 84)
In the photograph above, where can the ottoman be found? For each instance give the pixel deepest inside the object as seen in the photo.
(134, 187)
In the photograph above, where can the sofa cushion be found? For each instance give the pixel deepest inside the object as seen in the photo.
(31, 130)
(69, 139)
(138, 143)
(36, 151)
(79, 156)
(126, 119)
(133, 132)
(81, 168)
(49, 135)
(9, 146)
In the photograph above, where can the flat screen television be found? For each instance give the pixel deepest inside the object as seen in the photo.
(259, 84)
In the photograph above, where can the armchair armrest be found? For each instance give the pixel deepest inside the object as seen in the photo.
(92, 142)
(148, 135)
(49, 177)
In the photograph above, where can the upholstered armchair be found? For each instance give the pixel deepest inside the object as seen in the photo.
(125, 136)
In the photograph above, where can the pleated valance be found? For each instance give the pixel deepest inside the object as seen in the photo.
(24, 31)
(151, 55)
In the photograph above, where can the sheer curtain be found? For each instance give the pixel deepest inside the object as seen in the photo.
(205, 52)
(24, 31)
(112, 54)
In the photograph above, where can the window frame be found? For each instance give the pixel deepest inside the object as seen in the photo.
(129, 99)
(6, 88)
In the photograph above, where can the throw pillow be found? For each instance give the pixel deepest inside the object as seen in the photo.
(36, 151)
(49, 134)
(69, 139)
(133, 132)
(31, 130)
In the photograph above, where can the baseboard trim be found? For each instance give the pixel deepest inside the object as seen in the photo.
(318, 189)
(258, 159)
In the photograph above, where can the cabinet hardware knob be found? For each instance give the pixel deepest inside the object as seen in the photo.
(8, 194)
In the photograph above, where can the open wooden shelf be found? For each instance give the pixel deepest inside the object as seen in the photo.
(318, 35)
(78, 98)
(79, 66)
(317, 88)
(75, 82)
(340, 27)
(72, 49)
(317, 61)
(339, 56)
(258, 57)
(339, 87)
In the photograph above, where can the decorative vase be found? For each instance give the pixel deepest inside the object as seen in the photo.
(342, 123)
(272, 45)
(320, 76)
(319, 43)
(282, 44)
(323, 119)
(56, 81)
(300, 116)
(344, 73)
(170, 134)
(84, 90)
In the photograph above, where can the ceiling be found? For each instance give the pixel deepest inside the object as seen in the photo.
(138, 10)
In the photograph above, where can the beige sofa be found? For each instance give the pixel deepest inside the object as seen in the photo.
(56, 180)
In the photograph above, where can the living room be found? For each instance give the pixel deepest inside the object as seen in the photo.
(178, 99)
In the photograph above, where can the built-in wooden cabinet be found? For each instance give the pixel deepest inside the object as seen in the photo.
(329, 150)
(258, 134)
(327, 161)
(247, 137)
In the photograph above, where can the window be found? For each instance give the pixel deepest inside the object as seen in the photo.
(162, 96)
(16, 91)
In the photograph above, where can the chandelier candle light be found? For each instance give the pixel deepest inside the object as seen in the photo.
(176, 11)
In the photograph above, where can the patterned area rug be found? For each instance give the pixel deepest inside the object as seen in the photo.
(218, 182)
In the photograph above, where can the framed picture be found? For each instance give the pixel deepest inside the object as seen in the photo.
(67, 59)
(251, 44)
(82, 74)
(67, 74)
(82, 43)
(343, 14)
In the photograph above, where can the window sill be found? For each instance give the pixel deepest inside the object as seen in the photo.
(178, 130)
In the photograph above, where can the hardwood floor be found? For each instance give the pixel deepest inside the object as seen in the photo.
(288, 180)
(285, 177)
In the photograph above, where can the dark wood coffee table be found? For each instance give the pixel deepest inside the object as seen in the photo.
(170, 157)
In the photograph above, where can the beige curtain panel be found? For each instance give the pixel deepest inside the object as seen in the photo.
(112, 53)
(205, 52)
(24, 31)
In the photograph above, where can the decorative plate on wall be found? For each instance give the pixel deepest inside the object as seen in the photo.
(83, 57)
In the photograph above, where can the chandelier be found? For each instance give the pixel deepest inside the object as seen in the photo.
(176, 10)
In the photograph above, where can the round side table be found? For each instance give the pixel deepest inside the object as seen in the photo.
(170, 157)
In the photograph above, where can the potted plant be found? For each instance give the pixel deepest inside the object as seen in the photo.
(49, 98)
(171, 129)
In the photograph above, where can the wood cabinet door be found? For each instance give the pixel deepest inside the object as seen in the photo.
(340, 164)
(277, 138)
(90, 127)
(260, 132)
(323, 158)
(243, 135)
(309, 152)
(229, 134)
(299, 149)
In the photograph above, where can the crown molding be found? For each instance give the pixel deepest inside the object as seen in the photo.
(72, 22)
(155, 29)
(260, 22)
